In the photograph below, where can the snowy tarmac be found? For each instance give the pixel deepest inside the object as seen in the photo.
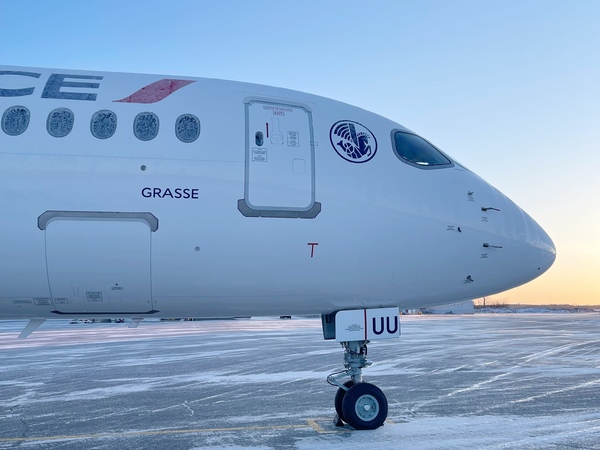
(505, 381)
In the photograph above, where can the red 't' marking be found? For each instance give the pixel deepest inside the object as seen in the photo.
(312, 248)
(156, 91)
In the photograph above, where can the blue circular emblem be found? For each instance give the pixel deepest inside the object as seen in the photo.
(352, 141)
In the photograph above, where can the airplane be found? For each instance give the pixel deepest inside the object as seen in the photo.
(150, 196)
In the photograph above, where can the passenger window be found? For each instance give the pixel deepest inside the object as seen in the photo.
(416, 151)
(15, 120)
(103, 124)
(60, 122)
(187, 128)
(145, 126)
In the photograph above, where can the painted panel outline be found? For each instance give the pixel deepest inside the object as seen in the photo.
(48, 216)
(147, 218)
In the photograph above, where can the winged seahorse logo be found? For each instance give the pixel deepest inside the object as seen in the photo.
(352, 141)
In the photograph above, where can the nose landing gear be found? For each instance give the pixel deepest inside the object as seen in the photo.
(361, 405)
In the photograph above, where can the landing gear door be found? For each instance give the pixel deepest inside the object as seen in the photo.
(280, 162)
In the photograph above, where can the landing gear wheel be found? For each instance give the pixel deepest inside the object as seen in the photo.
(364, 407)
(339, 398)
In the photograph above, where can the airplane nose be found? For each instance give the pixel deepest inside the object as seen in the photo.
(529, 249)
(542, 243)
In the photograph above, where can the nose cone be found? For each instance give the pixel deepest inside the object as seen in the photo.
(541, 245)
(527, 250)
(530, 251)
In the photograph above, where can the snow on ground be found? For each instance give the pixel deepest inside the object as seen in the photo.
(515, 309)
(498, 381)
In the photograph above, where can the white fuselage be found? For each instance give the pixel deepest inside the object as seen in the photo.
(107, 212)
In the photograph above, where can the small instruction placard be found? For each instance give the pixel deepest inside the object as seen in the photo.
(259, 154)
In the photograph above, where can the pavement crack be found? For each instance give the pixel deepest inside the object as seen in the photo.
(186, 405)
(24, 425)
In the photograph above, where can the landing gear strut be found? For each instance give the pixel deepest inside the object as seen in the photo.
(361, 405)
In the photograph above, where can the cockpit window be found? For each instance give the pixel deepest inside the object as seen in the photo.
(416, 151)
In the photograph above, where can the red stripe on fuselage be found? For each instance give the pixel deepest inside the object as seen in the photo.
(156, 91)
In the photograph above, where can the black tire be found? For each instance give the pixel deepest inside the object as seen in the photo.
(364, 406)
(339, 398)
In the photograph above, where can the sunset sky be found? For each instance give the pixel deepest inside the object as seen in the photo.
(511, 89)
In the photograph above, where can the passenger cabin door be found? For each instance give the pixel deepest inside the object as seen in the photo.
(280, 163)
